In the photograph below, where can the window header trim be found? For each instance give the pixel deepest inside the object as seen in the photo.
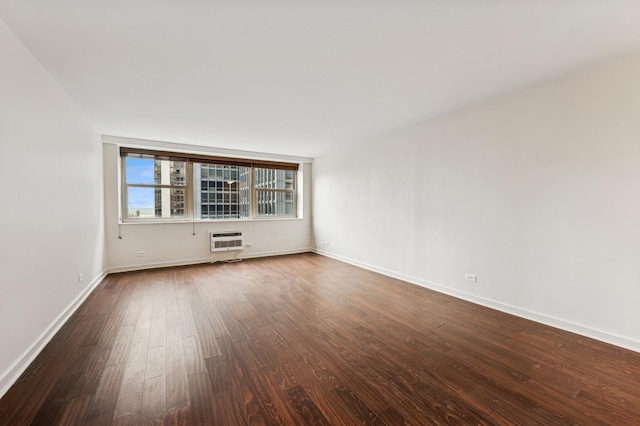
(209, 159)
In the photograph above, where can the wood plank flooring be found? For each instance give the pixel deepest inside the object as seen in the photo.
(307, 340)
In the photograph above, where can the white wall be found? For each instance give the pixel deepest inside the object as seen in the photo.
(537, 193)
(167, 244)
(51, 211)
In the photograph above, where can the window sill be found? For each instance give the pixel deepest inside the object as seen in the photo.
(190, 222)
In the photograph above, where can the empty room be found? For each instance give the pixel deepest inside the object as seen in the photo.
(320, 213)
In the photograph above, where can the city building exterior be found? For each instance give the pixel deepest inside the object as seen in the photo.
(170, 202)
(221, 192)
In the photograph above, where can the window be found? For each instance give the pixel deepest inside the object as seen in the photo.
(222, 192)
(155, 187)
(274, 192)
(160, 185)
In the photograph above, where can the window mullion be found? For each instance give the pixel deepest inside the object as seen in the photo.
(189, 191)
(124, 214)
(253, 202)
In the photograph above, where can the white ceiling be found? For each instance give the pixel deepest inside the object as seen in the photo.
(303, 77)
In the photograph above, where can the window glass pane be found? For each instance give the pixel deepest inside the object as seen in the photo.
(229, 192)
(140, 170)
(170, 202)
(140, 202)
(274, 179)
(177, 172)
(274, 203)
(147, 170)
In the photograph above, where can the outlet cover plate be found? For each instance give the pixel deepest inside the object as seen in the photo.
(471, 277)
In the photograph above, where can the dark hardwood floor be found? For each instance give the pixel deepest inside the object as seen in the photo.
(307, 340)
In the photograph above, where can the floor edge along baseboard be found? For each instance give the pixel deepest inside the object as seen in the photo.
(551, 321)
(203, 260)
(15, 370)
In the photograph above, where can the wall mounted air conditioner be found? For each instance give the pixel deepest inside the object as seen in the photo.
(225, 241)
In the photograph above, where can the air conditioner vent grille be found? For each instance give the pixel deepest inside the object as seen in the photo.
(226, 241)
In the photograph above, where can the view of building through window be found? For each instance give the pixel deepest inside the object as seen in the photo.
(157, 188)
(274, 192)
(170, 202)
(221, 192)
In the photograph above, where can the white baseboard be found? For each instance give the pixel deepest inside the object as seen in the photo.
(208, 259)
(562, 324)
(12, 374)
(276, 253)
(155, 265)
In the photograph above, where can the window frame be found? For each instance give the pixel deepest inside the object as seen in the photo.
(255, 190)
(190, 181)
(223, 192)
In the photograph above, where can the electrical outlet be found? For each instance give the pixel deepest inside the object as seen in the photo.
(471, 277)
(326, 243)
(141, 253)
(249, 245)
(80, 277)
